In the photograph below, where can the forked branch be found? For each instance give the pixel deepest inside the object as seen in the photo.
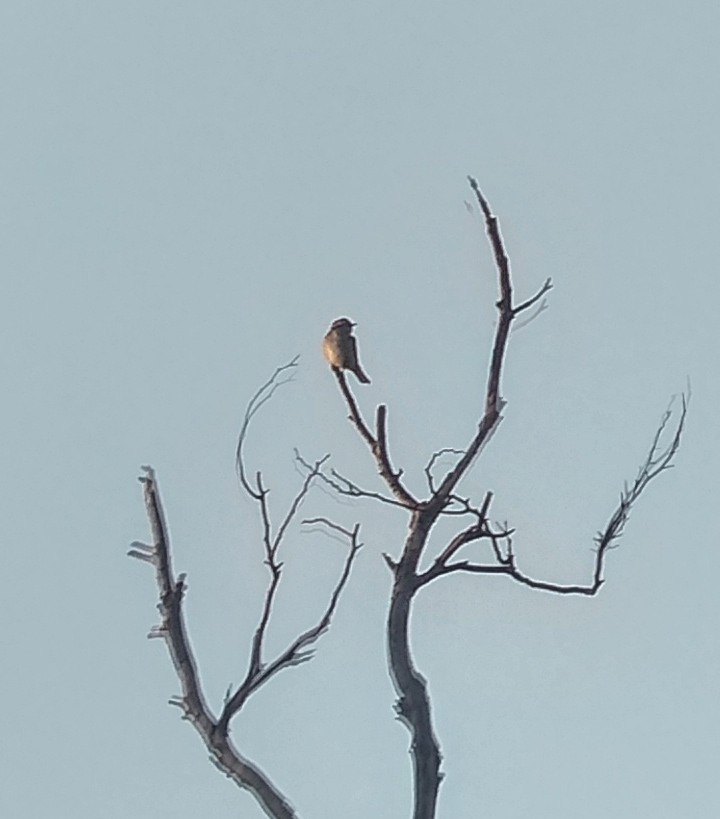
(215, 732)
(192, 702)
(658, 459)
(507, 313)
(344, 486)
(298, 651)
(377, 443)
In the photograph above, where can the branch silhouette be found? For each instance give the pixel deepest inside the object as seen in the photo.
(413, 703)
(171, 590)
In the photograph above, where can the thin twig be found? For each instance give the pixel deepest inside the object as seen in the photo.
(345, 487)
(448, 450)
(261, 397)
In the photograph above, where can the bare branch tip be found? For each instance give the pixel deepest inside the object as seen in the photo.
(138, 555)
(143, 547)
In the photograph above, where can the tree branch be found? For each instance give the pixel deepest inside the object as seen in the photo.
(493, 404)
(172, 628)
(477, 531)
(259, 671)
(413, 703)
(272, 544)
(214, 732)
(448, 450)
(657, 461)
(296, 652)
(377, 445)
(262, 396)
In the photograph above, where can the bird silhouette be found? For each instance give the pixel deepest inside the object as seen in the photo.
(340, 349)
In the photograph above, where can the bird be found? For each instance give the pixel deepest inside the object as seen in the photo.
(340, 349)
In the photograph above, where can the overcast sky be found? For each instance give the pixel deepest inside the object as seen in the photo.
(191, 193)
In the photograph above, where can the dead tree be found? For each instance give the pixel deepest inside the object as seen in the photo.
(413, 703)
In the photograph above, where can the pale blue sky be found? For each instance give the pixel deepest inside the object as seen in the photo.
(191, 192)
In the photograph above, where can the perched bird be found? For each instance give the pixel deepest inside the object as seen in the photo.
(340, 348)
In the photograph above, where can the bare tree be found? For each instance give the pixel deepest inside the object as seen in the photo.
(413, 704)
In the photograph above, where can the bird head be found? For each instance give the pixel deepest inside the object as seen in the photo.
(342, 324)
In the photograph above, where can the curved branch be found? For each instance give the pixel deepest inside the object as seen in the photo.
(262, 396)
(413, 704)
(447, 450)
